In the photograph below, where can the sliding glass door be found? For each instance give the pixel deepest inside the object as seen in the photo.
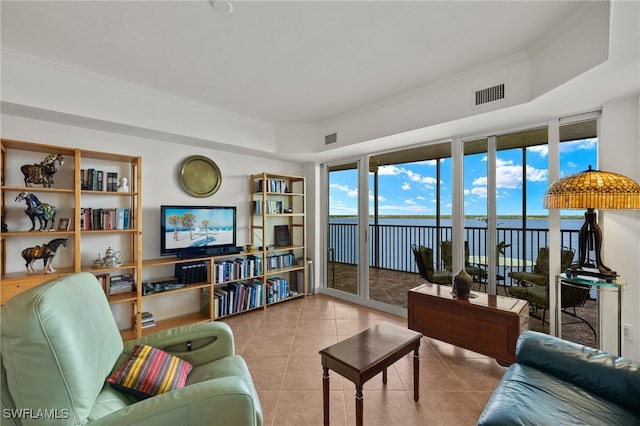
(342, 246)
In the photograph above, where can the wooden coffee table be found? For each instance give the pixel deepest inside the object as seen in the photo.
(361, 357)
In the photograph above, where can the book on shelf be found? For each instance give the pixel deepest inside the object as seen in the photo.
(98, 180)
(277, 289)
(104, 280)
(283, 237)
(147, 320)
(104, 218)
(273, 185)
(112, 181)
(119, 284)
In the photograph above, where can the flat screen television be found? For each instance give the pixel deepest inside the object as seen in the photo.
(196, 231)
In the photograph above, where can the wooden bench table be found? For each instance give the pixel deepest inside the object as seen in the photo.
(361, 357)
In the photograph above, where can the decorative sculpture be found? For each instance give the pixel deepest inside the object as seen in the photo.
(36, 209)
(45, 252)
(43, 172)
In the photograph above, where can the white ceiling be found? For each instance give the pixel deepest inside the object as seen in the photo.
(280, 62)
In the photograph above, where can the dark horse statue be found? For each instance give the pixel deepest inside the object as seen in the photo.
(43, 172)
(36, 209)
(45, 252)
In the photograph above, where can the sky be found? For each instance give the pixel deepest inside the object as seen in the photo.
(410, 188)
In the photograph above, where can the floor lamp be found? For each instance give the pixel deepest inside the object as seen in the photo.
(592, 190)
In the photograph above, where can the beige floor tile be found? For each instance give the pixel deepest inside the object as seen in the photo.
(269, 346)
(281, 348)
(349, 327)
(267, 373)
(305, 408)
(382, 408)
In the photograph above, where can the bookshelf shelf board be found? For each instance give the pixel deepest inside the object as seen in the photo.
(241, 312)
(239, 280)
(283, 270)
(38, 189)
(178, 290)
(128, 334)
(107, 231)
(110, 193)
(104, 269)
(36, 233)
(122, 298)
(38, 276)
(284, 300)
(285, 248)
(175, 322)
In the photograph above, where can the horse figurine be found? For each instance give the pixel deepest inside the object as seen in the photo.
(45, 252)
(43, 211)
(43, 172)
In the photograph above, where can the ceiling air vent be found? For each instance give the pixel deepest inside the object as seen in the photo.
(490, 94)
(332, 138)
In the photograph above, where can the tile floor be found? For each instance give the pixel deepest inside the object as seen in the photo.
(281, 346)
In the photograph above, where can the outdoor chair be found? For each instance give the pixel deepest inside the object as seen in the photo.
(477, 273)
(534, 288)
(424, 259)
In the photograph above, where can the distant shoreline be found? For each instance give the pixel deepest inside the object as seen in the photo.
(392, 216)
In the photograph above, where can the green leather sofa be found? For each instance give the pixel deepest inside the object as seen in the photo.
(556, 382)
(60, 342)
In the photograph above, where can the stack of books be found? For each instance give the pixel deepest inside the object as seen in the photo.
(94, 180)
(120, 284)
(147, 320)
(113, 218)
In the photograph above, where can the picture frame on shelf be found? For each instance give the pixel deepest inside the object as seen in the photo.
(283, 237)
(63, 224)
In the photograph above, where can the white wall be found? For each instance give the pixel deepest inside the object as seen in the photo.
(160, 162)
(619, 142)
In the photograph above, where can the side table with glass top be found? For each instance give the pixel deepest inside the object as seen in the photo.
(600, 286)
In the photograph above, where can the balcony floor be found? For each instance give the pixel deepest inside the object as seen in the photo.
(389, 286)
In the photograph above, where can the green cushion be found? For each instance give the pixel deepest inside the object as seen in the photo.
(535, 295)
(438, 277)
(149, 371)
(530, 277)
(542, 262)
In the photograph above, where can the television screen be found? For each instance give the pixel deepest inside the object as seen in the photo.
(189, 231)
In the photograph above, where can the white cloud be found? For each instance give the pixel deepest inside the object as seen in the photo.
(406, 186)
(541, 150)
(389, 170)
(410, 202)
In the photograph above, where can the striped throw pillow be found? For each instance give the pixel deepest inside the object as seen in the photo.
(149, 371)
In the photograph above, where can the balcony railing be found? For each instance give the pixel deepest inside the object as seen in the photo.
(390, 245)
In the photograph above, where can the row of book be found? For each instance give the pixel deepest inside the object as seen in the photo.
(279, 261)
(237, 269)
(273, 185)
(113, 218)
(277, 289)
(94, 180)
(192, 272)
(147, 320)
(233, 298)
(271, 207)
(116, 284)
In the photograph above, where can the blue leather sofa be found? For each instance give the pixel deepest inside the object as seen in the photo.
(556, 382)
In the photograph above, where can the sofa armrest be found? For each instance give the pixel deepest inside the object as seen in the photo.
(198, 343)
(614, 378)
